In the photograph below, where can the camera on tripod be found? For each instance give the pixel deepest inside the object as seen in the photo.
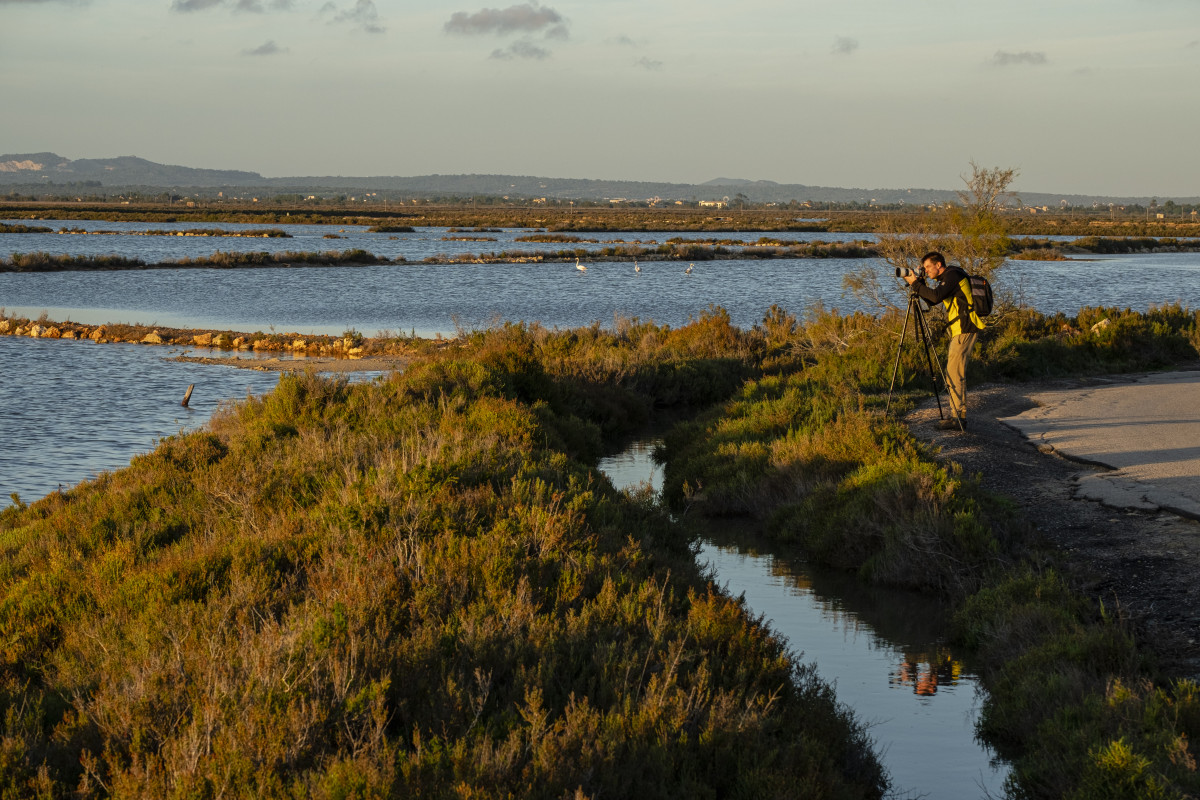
(902, 272)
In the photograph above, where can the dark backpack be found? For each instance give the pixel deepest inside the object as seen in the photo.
(981, 295)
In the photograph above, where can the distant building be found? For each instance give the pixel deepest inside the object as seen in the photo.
(712, 204)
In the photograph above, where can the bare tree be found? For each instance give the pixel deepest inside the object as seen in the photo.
(971, 234)
(980, 243)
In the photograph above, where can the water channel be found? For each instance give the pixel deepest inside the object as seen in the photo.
(884, 651)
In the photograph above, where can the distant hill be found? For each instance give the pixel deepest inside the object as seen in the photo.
(29, 170)
(737, 182)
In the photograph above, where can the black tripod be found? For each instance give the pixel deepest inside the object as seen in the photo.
(922, 335)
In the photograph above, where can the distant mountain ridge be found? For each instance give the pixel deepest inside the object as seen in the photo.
(130, 172)
(122, 171)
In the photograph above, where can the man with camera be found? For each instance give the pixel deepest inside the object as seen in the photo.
(954, 293)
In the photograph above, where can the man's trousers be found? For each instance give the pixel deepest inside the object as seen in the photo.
(956, 371)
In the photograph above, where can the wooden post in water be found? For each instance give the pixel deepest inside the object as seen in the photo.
(187, 395)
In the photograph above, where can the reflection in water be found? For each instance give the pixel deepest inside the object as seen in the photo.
(924, 671)
(634, 466)
(884, 651)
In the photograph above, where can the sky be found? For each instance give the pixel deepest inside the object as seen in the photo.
(1094, 97)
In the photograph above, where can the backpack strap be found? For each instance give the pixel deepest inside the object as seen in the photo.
(965, 297)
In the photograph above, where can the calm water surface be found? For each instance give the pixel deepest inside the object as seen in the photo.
(70, 410)
(885, 652)
(422, 243)
(437, 298)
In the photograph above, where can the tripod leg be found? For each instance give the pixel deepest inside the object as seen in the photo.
(924, 337)
(899, 347)
(932, 360)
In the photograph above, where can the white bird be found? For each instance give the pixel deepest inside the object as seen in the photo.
(579, 266)
(688, 271)
(636, 268)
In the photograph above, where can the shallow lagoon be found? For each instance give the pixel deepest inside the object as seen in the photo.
(428, 299)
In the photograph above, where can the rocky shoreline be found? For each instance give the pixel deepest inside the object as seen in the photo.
(350, 352)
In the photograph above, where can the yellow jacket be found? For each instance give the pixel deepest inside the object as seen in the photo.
(953, 292)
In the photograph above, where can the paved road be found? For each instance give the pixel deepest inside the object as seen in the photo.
(1146, 430)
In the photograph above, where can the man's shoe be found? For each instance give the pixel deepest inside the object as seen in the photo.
(952, 424)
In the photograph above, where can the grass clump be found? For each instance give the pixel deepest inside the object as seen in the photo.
(1068, 677)
(1028, 345)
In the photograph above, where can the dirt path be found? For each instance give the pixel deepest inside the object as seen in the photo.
(1146, 563)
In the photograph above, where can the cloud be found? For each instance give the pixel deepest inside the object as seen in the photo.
(265, 49)
(525, 18)
(648, 63)
(624, 41)
(255, 6)
(364, 15)
(1004, 59)
(1192, 43)
(522, 49)
(194, 5)
(844, 45)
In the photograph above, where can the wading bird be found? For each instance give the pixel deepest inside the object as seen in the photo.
(579, 266)
(636, 268)
(688, 271)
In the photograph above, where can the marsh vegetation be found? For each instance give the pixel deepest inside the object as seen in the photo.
(46, 262)
(416, 586)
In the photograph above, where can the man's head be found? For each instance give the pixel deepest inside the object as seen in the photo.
(934, 263)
